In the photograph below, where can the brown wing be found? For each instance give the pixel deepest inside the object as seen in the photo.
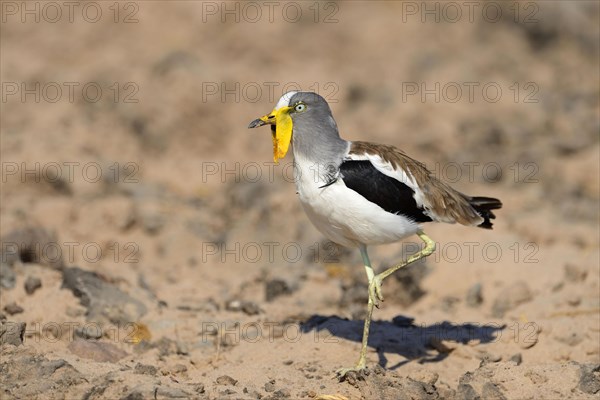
(442, 202)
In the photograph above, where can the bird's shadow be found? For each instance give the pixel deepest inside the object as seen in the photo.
(420, 343)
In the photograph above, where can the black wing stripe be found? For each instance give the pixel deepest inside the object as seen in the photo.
(388, 193)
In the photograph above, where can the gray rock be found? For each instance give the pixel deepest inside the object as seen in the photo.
(589, 378)
(7, 276)
(97, 351)
(32, 284)
(510, 297)
(474, 295)
(12, 333)
(103, 300)
(492, 392)
(34, 376)
(466, 392)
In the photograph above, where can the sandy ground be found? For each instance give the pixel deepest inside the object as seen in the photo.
(150, 249)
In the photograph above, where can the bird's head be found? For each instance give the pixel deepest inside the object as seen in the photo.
(292, 110)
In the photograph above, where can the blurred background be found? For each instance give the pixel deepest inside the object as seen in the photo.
(135, 200)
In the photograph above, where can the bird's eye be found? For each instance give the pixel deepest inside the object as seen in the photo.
(300, 107)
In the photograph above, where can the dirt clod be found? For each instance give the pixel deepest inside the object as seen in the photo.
(12, 332)
(144, 369)
(226, 380)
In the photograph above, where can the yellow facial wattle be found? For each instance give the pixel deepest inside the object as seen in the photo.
(282, 135)
(281, 130)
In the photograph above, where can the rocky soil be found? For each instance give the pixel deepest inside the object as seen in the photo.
(151, 250)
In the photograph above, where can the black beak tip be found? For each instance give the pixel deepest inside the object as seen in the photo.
(256, 123)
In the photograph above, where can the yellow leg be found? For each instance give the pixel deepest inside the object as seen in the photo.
(375, 295)
(427, 251)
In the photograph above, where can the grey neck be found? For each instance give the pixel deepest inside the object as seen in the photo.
(319, 145)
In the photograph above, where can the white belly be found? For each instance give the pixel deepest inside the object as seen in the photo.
(344, 216)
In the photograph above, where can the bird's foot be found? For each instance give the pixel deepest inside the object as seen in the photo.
(375, 293)
(352, 373)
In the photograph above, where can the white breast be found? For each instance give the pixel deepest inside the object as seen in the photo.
(343, 215)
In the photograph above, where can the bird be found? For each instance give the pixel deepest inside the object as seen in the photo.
(359, 193)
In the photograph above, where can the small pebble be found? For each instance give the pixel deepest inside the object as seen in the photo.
(247, 307)
(88, 332)
(282, 393)
(13, 308)
(275, 288)
(32, 284)
(143, 369)
(270, 386)
(517, 358)
(226, 380)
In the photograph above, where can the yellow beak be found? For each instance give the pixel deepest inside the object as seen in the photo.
(281, 130)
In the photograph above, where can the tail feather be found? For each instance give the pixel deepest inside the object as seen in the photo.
(484, 207)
